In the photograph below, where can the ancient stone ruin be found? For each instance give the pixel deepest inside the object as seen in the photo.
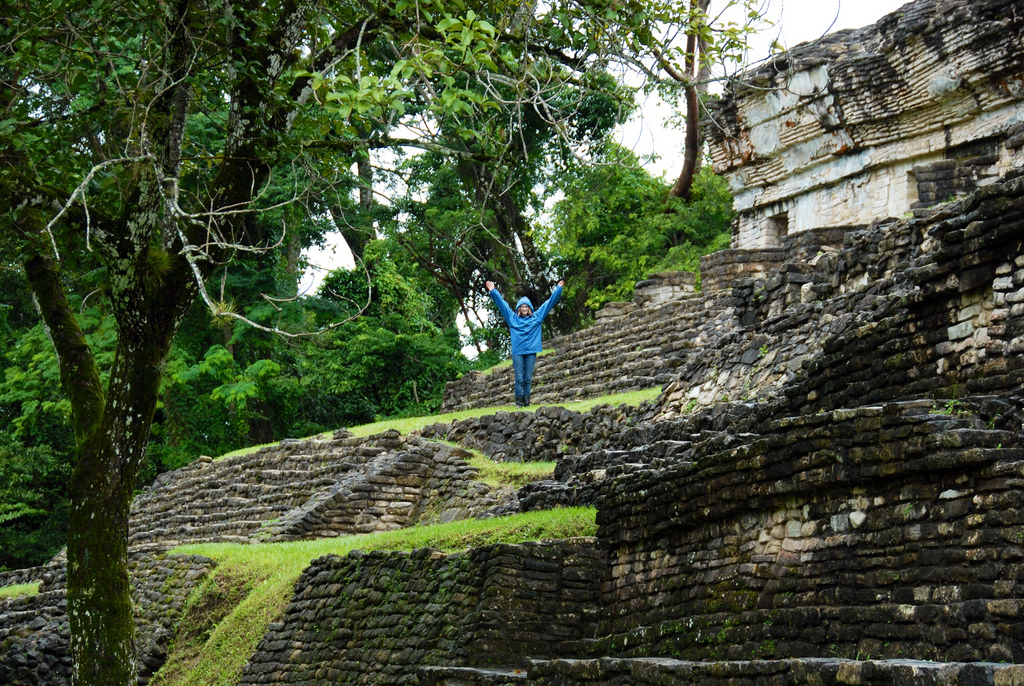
(924, 106)
(828, 490)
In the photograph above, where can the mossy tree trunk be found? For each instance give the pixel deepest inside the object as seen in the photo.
(112, 426)
(150, 284)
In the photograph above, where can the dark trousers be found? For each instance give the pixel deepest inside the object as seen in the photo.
(523, 366)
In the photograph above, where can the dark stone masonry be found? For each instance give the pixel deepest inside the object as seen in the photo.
(376, 618)
(34, 629)
(829, 488)
(880, 531)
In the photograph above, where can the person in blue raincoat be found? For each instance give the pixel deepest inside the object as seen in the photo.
(524, 326)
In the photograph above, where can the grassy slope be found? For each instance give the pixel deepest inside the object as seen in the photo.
(407, 425)
(497, 474)
(252, 584)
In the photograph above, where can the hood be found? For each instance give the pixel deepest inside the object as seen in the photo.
(524, 301)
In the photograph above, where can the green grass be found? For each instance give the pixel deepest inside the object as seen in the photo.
(633, 398)
(254, 448)
(406, 425)
(409, 424)
(515, 474)
(499, 474)
(230, 612)
(19, 590)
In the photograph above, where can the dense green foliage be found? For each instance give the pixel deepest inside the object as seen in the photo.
(614, 226)
(395, 357)
(471, 221)
(226, 385)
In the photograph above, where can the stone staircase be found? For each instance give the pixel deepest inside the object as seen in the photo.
(640, 348)
(791, 672)
(314, 488)
(230, 500)
(423, 483)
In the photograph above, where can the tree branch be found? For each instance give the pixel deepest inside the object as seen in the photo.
(79, 375)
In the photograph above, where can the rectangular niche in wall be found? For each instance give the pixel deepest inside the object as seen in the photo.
(777, 229)
(913, 199)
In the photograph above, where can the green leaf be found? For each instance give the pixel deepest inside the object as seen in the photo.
(235, 393)
(262, 368)
(487, 27)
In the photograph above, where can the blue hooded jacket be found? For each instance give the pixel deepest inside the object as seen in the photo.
(525, 330)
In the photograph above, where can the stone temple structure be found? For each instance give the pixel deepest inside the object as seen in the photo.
(924, 106)
(828, 491)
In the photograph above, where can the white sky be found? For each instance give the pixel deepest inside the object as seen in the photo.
(794, 22)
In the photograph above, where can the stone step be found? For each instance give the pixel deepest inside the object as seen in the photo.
(470, 676)
(824, 671)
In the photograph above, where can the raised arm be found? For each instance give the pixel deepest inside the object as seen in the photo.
(503, 308)
(543, 310)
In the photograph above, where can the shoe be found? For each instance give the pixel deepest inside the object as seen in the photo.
(526, 400)
(519, 401)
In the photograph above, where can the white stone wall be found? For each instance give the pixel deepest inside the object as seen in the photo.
(874, 194)
(830, 132)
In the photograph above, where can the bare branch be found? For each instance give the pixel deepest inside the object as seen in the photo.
(194, 255)
(80, 191)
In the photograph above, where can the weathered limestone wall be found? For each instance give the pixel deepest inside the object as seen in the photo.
(959, 332)
(885, 531)
(921, 307)
(375, 618)
(720, 271)
(34, 629)
(864, 124)
(890, 530)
